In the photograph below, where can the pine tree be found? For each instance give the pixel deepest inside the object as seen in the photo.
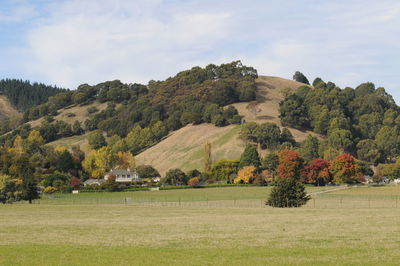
(250, 157)
(29, 189)
(288, 193)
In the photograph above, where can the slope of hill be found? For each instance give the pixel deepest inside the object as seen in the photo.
(6, 109)
(184, 148)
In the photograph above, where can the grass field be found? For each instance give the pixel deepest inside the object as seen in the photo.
(58, 232)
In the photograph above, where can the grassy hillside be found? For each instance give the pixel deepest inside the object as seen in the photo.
(184, 147)
(6, 109)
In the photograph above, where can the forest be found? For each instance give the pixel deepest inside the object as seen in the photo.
(364, 121)
(24, 95)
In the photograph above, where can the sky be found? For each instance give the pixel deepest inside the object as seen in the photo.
(70, 42)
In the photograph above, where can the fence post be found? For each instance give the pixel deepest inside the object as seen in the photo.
(314, 202)
(341, 203)
(234, 202)
(179, 201)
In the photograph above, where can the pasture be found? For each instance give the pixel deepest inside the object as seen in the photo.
(356, 226)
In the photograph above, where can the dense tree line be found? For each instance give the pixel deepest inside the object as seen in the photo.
(364, 121)
(24, 95)
(199, 95)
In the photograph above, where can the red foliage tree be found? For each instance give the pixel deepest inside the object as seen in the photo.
(317, 172)
(345, 169)
(75, 182)
(290, 164)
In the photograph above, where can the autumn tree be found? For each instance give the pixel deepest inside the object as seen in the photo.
(124, 160)
(317, 172)
(246, 175)
(290, 164)
(344, 169)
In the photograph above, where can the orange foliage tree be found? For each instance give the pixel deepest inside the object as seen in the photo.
(345, 169)
(290, 164)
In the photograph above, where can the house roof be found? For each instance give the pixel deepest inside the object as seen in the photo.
(121, 172)
(94, 181)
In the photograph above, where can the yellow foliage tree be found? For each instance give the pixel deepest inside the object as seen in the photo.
(34, 137)
(245, 175)
(125, 160)
(98, 162)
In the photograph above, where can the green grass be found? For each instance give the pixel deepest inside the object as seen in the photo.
(140, 234)
(239, 193)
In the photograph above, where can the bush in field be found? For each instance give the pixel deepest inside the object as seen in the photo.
(288, 192)
(194, 182)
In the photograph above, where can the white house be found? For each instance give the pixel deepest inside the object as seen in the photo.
(122, 176)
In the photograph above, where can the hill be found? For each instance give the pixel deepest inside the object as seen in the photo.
(7, 110)
(183, 148)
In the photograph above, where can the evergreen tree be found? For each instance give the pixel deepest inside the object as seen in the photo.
(299, 77)
(288, 192)
(250, 157)
(96, 140)
(65, 162)
(29, 188)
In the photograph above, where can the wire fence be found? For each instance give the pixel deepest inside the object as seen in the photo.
(317, 202)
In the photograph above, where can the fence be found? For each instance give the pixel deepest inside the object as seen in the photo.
(316, 202)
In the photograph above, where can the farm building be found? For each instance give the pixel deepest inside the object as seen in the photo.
(123, 175)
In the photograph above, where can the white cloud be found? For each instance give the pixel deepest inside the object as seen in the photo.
(347, 42)
(77, 46)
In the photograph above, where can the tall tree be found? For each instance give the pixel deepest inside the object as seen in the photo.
(250, 157)
(207, 157)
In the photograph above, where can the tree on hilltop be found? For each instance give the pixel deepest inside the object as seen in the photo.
(299, 77)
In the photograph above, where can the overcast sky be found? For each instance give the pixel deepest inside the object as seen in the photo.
(69, 42)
